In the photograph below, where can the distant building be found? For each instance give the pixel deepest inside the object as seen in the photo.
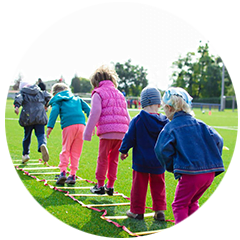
(50, 83)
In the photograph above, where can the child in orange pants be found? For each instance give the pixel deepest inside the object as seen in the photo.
(70, 109)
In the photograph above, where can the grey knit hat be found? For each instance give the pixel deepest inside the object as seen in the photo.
(150, 96)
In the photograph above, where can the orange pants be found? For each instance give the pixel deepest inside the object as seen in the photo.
(72, 143)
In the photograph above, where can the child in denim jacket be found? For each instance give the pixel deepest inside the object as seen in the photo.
(190, 149)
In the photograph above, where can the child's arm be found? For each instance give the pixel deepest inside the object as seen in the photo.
(85, 107)
(52, 118)
(17, 102)
(164, 150)
(217, 138)
(129, 140)
(93, 117)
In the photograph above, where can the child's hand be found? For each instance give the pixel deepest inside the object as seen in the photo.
(93, 132)
(123, 156)
(49, 131)
(16, 110)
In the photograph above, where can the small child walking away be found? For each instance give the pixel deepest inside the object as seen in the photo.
(190, 149)
(142, 136)
(109, 113)
(70, 109)
(32, 117)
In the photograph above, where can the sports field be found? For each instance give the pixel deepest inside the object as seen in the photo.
(86, 219)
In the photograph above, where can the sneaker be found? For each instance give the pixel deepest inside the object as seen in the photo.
(109, 191)
(97, 190)
(44, 151)
(25, 158)
(134, 215)
(61, 178)
(159, 216)
(71, 179)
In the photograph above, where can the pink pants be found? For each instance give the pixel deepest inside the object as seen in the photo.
(107, 161)
(72, 142)
(139, 191)
(189, 189)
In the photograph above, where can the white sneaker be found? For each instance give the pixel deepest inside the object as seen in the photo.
(25, 158)
(44, 151)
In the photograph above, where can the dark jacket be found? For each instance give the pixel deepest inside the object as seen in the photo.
(33, 102)
(142, 136)
(189, 146)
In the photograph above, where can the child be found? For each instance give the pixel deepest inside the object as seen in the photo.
(190, 149)
(142, 136)
(70, 109)
(33, 116)
(109, 113)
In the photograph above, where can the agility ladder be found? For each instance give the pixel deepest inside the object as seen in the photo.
(27, 171)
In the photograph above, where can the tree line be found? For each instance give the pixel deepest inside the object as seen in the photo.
(197, 72)
(201, 74)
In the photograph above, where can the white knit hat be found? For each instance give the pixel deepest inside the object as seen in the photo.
(23, 84)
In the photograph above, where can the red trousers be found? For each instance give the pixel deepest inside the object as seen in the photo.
(189, 189)
(107, 161)
(139, 192)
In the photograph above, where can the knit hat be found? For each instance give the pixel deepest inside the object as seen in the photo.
(150, 96)
(177, 91)
(23, 84)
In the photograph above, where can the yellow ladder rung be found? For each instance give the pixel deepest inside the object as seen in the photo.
(125, 217)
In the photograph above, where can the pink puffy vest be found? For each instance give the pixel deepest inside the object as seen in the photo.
(114, 113)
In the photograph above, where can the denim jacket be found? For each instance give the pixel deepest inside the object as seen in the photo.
(188, 146)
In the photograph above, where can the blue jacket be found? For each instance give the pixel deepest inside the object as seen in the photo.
(142, 136)
(188, 146)
(70, 109)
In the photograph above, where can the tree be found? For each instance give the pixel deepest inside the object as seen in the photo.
(132, 79)
(200, 74)
(75, 84)
(17, 82)
(80, 84)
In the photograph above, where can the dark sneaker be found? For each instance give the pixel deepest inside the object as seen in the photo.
(44, 151)
(61, 178)
(71, 180)
(109, 191)
(159, 216)
(134, 215)
(97, 190)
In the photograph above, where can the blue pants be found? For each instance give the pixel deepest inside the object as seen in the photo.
(40, 134)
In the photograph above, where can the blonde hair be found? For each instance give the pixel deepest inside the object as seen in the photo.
(104, 72)
(178, 104)
(59, 87)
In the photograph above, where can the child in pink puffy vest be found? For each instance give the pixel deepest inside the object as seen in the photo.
(109, 114)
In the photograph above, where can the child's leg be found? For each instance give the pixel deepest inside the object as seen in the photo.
(67, 138)
(139, 192)
(40, 134)
(158, 192)
(27, 139)
(76, 148)
(113, 162)
(188, 189)
(102, 161)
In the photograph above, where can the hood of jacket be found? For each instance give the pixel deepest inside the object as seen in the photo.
(153, 122)
(61, 96)
(31, 90)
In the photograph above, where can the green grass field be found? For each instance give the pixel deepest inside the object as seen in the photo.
(88, 220)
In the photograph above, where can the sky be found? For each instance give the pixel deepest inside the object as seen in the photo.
(110, 32)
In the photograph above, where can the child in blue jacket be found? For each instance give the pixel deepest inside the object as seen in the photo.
(70, 109)
(141, 136)
(190, 149)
